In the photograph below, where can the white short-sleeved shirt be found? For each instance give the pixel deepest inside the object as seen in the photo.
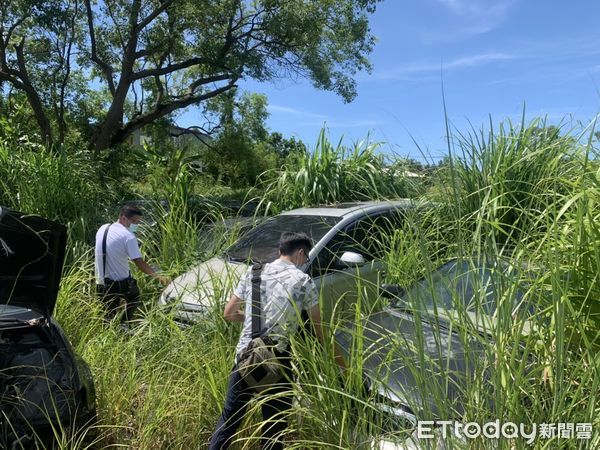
(121, 246)
(285, 291)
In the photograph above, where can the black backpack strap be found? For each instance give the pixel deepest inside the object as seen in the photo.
(104, 252)
(256, 306)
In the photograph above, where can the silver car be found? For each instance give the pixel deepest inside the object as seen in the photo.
(434, 346)
(344, 261)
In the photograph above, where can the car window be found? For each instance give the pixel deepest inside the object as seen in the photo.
(375, 233)
(369, 237)
(262, 243)
(348, 240)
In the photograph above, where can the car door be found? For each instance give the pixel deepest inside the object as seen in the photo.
(342, 285)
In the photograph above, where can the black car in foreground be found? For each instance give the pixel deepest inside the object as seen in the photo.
(434, 346)
(44, 385)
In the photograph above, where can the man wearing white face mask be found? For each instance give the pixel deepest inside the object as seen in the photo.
(115, 246)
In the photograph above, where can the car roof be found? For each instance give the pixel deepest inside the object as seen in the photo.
(346, 209)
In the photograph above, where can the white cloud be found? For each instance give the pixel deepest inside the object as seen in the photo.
(422, 68)
(476, 60)
(495, 10)
(306, 118)
(294, 111)
(471, 18)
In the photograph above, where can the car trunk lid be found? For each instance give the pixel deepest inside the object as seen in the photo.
(32, 251)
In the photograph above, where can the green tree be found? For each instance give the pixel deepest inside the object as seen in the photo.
(285, 148)
(237, 155)
(149, 58)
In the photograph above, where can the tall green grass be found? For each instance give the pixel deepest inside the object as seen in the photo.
(64, 186)
(333, 174)
(158, 386)
(523, 193)
(504, 182)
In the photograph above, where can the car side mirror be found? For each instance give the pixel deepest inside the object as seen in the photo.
(351, 259)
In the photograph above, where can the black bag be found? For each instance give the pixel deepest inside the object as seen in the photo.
(126, 287)
(258, 365)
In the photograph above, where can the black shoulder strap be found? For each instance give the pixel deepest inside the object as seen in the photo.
(256, 306)
(104, 251)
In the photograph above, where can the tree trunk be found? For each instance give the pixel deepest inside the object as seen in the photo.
(40, 117)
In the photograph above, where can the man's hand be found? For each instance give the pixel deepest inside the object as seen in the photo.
(163, 279)
(145, 267)
(234, 311)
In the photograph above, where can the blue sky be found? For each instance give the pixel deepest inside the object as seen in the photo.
(491, 57)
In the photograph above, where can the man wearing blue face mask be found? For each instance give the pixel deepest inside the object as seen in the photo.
(116, 244)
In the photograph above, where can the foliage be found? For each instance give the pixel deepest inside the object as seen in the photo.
(64, 187)
(333, 174)
(16, 124)
(507, 181)
(234, 161)
(243, 148)
(573, 241)
(231, 154)
(139, 61)
(549, 375)
(284, 148)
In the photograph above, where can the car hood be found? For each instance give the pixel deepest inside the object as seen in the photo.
(208, 284)
(415, 362)
(32, 251)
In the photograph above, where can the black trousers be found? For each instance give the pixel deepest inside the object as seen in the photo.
(112, 292)
(275, 407)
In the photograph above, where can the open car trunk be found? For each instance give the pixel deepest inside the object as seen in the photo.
(32, 251)
(41, 389)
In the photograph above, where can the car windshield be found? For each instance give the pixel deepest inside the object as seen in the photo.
(262, 243)
(463, 285)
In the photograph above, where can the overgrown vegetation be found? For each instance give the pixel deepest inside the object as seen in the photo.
(334, 174)
(64, 186)
(526, 193)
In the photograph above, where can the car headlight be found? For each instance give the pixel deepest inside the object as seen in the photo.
(167, 298)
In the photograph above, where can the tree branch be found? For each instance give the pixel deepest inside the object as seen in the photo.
(167, 69)
(106, 68)
(34, 99)
(153, 15)
(13, 27)
(207, 80)
(62, 125)
(165, 109)
(5, 76)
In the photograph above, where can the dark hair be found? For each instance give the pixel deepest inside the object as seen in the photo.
(129, 210)
(289, 242)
